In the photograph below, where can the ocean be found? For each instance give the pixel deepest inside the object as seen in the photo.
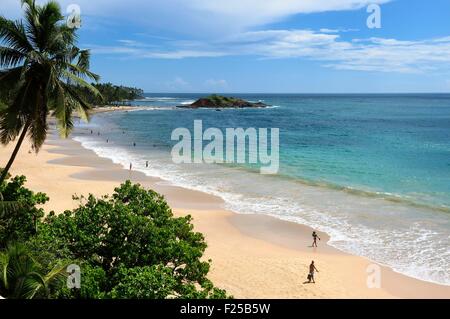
(373, 171)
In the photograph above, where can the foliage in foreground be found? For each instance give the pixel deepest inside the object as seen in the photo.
(24, 278)
(18, 221)
(128, 245)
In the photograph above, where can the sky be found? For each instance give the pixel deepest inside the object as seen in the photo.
(266, 46)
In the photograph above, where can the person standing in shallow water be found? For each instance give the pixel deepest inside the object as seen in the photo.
(312, 268)
(315, 236)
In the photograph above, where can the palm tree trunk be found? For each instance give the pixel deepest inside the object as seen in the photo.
(14, 153)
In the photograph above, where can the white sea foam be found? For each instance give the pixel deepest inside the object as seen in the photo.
(382, 231)
(162, 98)
(187, 102)
(156, 99)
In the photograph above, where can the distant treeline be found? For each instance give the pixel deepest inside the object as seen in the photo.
(112, 94)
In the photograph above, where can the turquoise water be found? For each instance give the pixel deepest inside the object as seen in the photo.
(371, 170)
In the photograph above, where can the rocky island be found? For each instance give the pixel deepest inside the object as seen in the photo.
(218, 102)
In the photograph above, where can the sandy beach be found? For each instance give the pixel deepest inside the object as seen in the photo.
(252, 256)
(118, 108)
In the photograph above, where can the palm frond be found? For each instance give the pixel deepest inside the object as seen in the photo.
(48, 16)
(83, 59)
(22, 276)
(13, 34)
(81, 106)
(79, 81)
(10, 58)
(9, 208)
(79, 71)
(12, 119)
(57, 274)
(10, 78)
(32, 21)
(62, 111)
(38, 126)
(4, 263)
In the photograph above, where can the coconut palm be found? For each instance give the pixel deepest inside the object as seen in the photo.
(22, 276)
(41, 73)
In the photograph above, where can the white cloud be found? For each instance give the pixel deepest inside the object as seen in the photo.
(235, 18)
(193, 16)
(249, 13)
(180, 54)
(326, 30)
(131, 43)
(373, 54)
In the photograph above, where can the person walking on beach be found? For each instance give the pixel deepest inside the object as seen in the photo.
(315, 236)
(131, 166)
(134, 144)
(312, 268)
(146, 164)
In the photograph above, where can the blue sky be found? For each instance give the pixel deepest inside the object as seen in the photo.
(277, 46)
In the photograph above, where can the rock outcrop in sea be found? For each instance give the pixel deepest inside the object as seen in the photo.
(218, 102)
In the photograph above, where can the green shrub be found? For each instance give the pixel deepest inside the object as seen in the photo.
(128, 245)
(18, 222)
(136, 241)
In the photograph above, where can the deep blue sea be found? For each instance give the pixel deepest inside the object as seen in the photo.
(373, 171)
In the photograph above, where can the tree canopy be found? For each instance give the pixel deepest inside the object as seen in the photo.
(112, 94)
(128, 245)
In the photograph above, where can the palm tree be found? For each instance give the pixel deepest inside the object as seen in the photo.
(22, 277)
(42, 72)
(8, 209)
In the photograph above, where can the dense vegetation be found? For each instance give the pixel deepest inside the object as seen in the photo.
(219, 101)
(128, 245)
(112, 94)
